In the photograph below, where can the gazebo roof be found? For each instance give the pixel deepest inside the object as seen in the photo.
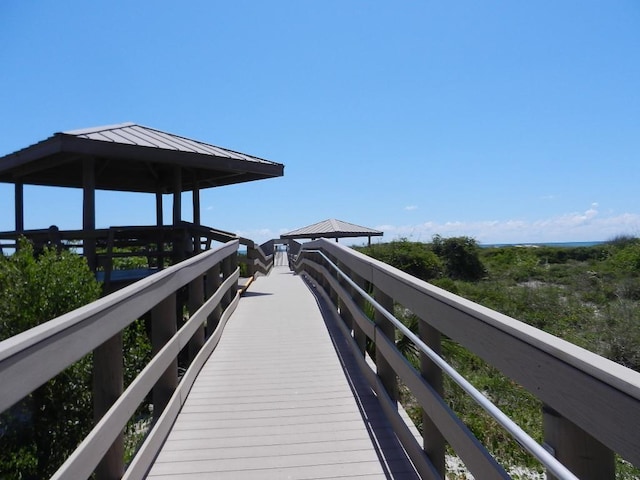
(332, 228)
(130, 157)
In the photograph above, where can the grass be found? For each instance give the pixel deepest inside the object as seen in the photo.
(589, 296)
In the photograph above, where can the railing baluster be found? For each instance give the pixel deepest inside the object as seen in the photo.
(433, 442)
(585, 456)
(163, 327)
(213, 282)
(385, 371)
(196, 299)
(108, 371)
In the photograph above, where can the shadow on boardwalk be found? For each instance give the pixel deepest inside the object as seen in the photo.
(390, 452)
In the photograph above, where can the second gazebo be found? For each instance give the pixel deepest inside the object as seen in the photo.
(332, 228)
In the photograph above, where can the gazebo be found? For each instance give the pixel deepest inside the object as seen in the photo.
(132, 158)
(332, 228)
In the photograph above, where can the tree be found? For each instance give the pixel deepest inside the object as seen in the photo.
(460, 256)
(39, 432)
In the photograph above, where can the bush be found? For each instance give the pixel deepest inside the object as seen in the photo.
(460, 256)
(40, 431)
(411, 257)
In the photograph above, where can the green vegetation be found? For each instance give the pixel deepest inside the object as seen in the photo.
(39, 432)
(589, 296)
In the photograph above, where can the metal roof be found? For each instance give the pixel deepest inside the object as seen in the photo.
(132, 157)
(332, 228)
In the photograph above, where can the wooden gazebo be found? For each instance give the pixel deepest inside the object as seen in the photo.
(133, 158)
(332, 228)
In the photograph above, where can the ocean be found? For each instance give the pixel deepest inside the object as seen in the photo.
(543, 244)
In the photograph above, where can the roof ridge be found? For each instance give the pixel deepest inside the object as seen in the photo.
(102, 128)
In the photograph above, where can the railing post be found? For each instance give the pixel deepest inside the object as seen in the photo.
(358, 333)
(385, 372)
(585, 456)
(432, 440)
(212, 284)
(252, 255)
(196, 299)
(229, 265)
(108, 371)
(333, 294)
(163, 327)
(344, 312)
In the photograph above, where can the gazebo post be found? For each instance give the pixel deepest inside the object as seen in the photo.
(196, 215)
(159, 222)
(196, 204)
(178, 240)
(89, 212)
(19, 206)
(177, 195)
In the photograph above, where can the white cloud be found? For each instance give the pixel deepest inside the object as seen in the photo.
(589, 225)
(411, 207)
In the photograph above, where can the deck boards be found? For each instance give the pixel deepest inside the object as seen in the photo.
(273, 401)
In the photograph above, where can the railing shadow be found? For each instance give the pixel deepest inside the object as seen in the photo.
(388, 448)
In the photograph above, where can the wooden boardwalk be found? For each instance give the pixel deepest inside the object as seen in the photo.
(280, 399)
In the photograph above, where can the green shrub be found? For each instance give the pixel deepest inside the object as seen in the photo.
(411, 257)
(460, 256)
(40, 431)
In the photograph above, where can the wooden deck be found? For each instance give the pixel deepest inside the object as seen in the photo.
(280, 399)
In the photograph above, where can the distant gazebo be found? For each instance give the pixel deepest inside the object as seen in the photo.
(332, 228)
(130, 158)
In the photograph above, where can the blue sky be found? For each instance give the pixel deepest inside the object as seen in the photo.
(505, 121)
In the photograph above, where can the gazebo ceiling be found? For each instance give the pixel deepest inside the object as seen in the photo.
(130, 157)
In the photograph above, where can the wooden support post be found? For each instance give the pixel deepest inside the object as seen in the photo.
(159, 223)
(233, 263)
(229, 265)
(196, 299)
(197, 248)
(212, 284)
(108, 371)
(433, 442)
(19, 206)
(358, 333)
(344, 311)
(179, 244)
(89, 211)
(585, 456)
(159, 209)
(196, 204)
(163, 327)
(252, 255)
(333, 295)
(385, 372)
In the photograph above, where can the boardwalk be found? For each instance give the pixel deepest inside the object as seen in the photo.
(274, 401)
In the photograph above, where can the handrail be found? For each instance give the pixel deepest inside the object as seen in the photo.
(49, 348)
(107, 429)
(533, 447)
(588, 401)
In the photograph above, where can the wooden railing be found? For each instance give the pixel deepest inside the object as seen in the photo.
(155, 246)
(31, 358)
(591, 405)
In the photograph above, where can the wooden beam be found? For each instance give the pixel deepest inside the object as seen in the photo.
(19, 206)
(177, 195)
(163, 328)
(108, 374)
(159, 209)
(196, 204)
(89, 210)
